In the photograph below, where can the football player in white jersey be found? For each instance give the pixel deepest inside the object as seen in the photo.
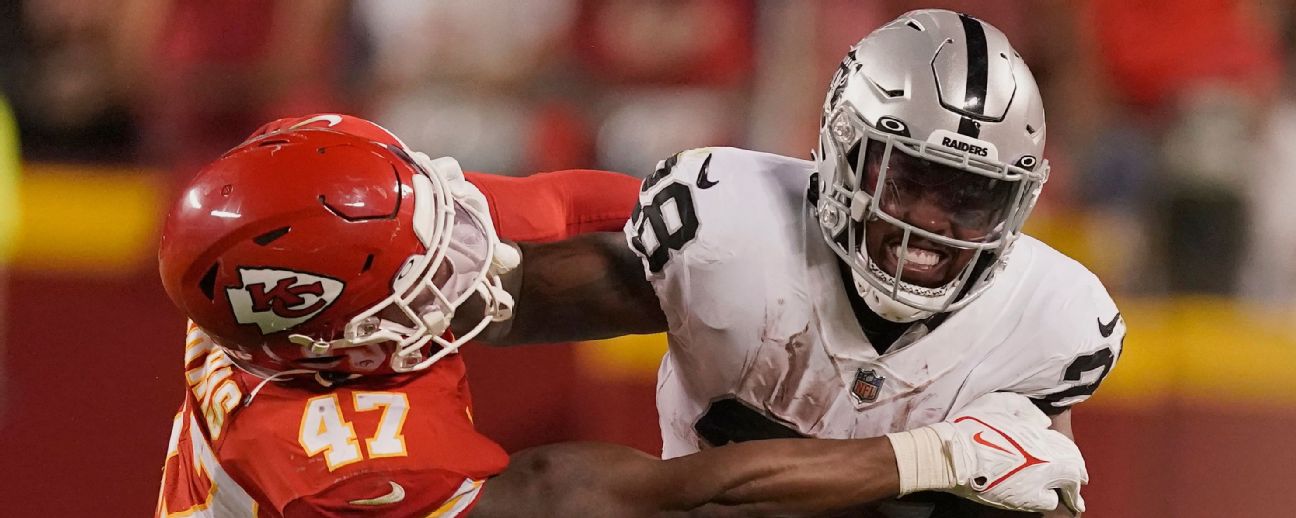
(879, 286)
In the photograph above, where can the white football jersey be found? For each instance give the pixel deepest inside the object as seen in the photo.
(764, 342)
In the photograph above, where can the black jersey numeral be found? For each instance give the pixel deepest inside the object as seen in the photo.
(1102, 359)
(673, 221)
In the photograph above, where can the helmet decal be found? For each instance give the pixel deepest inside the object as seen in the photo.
(331, 119)
(848, 66)
(893, 125)
(964, 144)
(278, 300)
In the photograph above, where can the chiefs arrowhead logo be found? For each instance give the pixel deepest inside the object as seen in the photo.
(279, 300)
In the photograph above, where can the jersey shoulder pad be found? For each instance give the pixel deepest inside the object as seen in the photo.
(1075, 327)
(707, 204)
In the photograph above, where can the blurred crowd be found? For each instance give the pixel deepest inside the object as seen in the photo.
(1169, 119)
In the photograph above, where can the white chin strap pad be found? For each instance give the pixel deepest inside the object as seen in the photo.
(881, 302)
(885, 306)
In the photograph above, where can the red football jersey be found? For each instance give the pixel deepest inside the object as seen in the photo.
(395, 445)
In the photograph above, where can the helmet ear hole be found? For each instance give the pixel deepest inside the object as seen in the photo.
(208, 282)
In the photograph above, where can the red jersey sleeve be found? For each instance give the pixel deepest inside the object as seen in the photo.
(557, 205)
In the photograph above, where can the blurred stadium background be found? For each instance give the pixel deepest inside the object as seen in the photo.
(1171, 129)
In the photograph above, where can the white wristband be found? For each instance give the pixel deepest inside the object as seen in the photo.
(922, 459)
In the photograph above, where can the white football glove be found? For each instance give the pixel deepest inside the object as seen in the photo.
(505, 256)
(998, 451)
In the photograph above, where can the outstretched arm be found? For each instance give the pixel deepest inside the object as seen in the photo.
(585, 288)
(765, 478)
(999, 451)
(551, 206)
(590, 286)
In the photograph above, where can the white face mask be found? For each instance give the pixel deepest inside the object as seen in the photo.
(467, 254)
(452, 219)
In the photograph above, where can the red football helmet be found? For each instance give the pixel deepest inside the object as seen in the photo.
(318, 250)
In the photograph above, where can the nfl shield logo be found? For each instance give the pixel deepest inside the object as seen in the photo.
(867, 385)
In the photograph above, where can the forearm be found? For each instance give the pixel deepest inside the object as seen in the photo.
(787, 476)
(585, 288)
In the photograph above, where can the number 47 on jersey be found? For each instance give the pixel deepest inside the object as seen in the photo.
(324, 428)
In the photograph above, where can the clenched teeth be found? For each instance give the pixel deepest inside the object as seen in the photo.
(917, 256)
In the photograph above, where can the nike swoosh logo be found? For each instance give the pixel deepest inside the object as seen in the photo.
(980, 439)
(703, 182)
(1106, 329)
(396, 495)
(1028, 460)
(331, 119)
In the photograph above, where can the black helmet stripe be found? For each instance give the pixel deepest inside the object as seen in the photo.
(978, 65)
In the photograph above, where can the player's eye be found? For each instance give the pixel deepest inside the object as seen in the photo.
(978, 219)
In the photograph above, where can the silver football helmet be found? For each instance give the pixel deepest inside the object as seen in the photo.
(933, 113)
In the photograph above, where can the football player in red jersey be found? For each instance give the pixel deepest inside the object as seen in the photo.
(320, 267)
